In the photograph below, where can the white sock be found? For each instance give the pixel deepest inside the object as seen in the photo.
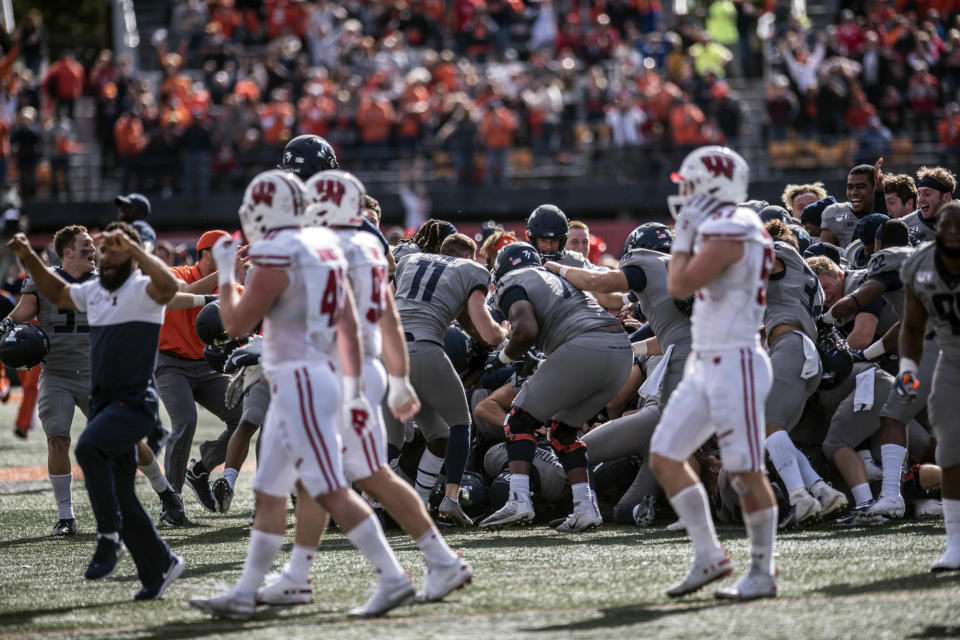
(301, 561)
(861, 494)
(427, 473)
(810, 477)
(435, 548)
(230, 475)
(866, 455)
(520, 485)
(581, 492)
(61, 493)
(157, 480)
(369, 539)
(261, 551)
(762, 529)
(951, 520)
(784, 457)
(893, 456)
(694, 510)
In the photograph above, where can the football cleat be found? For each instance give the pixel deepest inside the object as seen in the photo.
(805, 506)
(860, 516)
(889, 506)
(752, 586)
(281, 589)
(230, 604)
(515, 511)
(677, 525)
(703, 572)
(65, 527)
(585, 516)
(440, 581)
(172, 514)
(200, 483)
(155, 592)
(928, 508)
(387, 594)
(830, 499)
(646, 511)
(105, 558)
(949, 561)
(451, 510)
(222, 494)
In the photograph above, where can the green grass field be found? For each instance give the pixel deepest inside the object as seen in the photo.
(834, 583)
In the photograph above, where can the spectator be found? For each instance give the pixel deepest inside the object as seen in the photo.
(781, 106)
(197, 148)
(64, 83)
(803, 65)
(948, 132)
(496, 130)
(722, 28)
(61, 141)
(727, 113)
(625, 119)
(33, 42)
(375, 118)
(131, 142)
(709, 56)
(134, 208)
(873, 142)
(26, 144)
(923, 91)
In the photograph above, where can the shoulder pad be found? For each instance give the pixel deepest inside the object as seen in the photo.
(888, 259)
(920, 259)
(740, 223)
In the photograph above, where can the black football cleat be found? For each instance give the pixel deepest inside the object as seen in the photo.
(105, 559)
(200, 483)
(65, 527)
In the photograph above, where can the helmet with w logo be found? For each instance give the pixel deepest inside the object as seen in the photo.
(714, 171)
(335, 199)
(274, 199)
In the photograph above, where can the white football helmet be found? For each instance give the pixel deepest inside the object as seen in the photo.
(714, 171)
(273, 199)
(335, 199)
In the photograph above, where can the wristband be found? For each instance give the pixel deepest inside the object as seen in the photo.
(199, 301)
(397, 382)
(351, 387)
(563, 271)
(828, 317)
(874, 351)
(504, 358)
(908, 366)
(639, 348)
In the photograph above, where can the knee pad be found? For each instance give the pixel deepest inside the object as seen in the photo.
(521, 425)
(571, 451)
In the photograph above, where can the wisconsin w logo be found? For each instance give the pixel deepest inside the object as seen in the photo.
(263, 193)
(331, 190)
(719, 165)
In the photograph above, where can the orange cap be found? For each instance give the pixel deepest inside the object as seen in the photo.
(210, 238)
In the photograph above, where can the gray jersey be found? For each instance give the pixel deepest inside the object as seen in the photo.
(886, 316)
(68, 330)
(884, 266)
(939, 292)
(578, 260)
(432, 290)
(563, 312)
(405, 249)
(794, 295)
(920, 228)
(855, 255)
(840, 220)
(669, 324)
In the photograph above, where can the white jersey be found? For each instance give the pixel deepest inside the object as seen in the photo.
(728, 312)
(300, 327)
(367, 268)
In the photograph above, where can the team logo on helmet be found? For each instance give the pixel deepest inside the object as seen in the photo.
(718, 165)
(329, 191)
(263, 193)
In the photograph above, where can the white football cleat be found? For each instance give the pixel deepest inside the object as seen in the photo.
(440, 581)
(227, 605)
(281, 589)
(585, 516)
(387, 594)
(517, 510)
(928, 508)
(830, 499)
(752, 586)
(703, 572)
(805, 506)
(889, 506)
(949, 561)
(677, 525)
(452, 511)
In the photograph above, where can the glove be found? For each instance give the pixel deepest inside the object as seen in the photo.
(356, 409)
(240, 358)
(906, 383)
(494, 361)
(240, 384)
(207, 299)
(527, 364)
(399, 391)
(691, 215)
(225, 255)
(6, 324)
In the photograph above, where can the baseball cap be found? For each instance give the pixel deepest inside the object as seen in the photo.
(209, 238)
(137, 201)
(867, 227)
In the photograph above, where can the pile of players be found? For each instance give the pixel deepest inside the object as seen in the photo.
(549, 389)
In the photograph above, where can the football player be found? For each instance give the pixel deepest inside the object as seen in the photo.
(722, 254)
(794, 301)
(428, 239)
(125, 308)
(547, 231)
(935, 188)
(930, 277)
(574, 333)
(839, 220)
(864, 241)
(309, 318)
(883, 279)
(335, 200)
(900, 194)
(432, 291)
(797, 196)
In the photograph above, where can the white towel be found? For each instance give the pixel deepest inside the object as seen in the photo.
(863, 396)
(651, 386)
(811, 359)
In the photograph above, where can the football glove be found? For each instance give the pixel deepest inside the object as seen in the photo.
(240, 384)
(244, 356)
(906, 383)
(399, 391)
(225, 255)
(6, 324)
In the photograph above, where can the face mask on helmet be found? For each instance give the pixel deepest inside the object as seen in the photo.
(273, 200)
(335, 199)
(715, 171)
(516, 255)
(548, 222)
(835, 357)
